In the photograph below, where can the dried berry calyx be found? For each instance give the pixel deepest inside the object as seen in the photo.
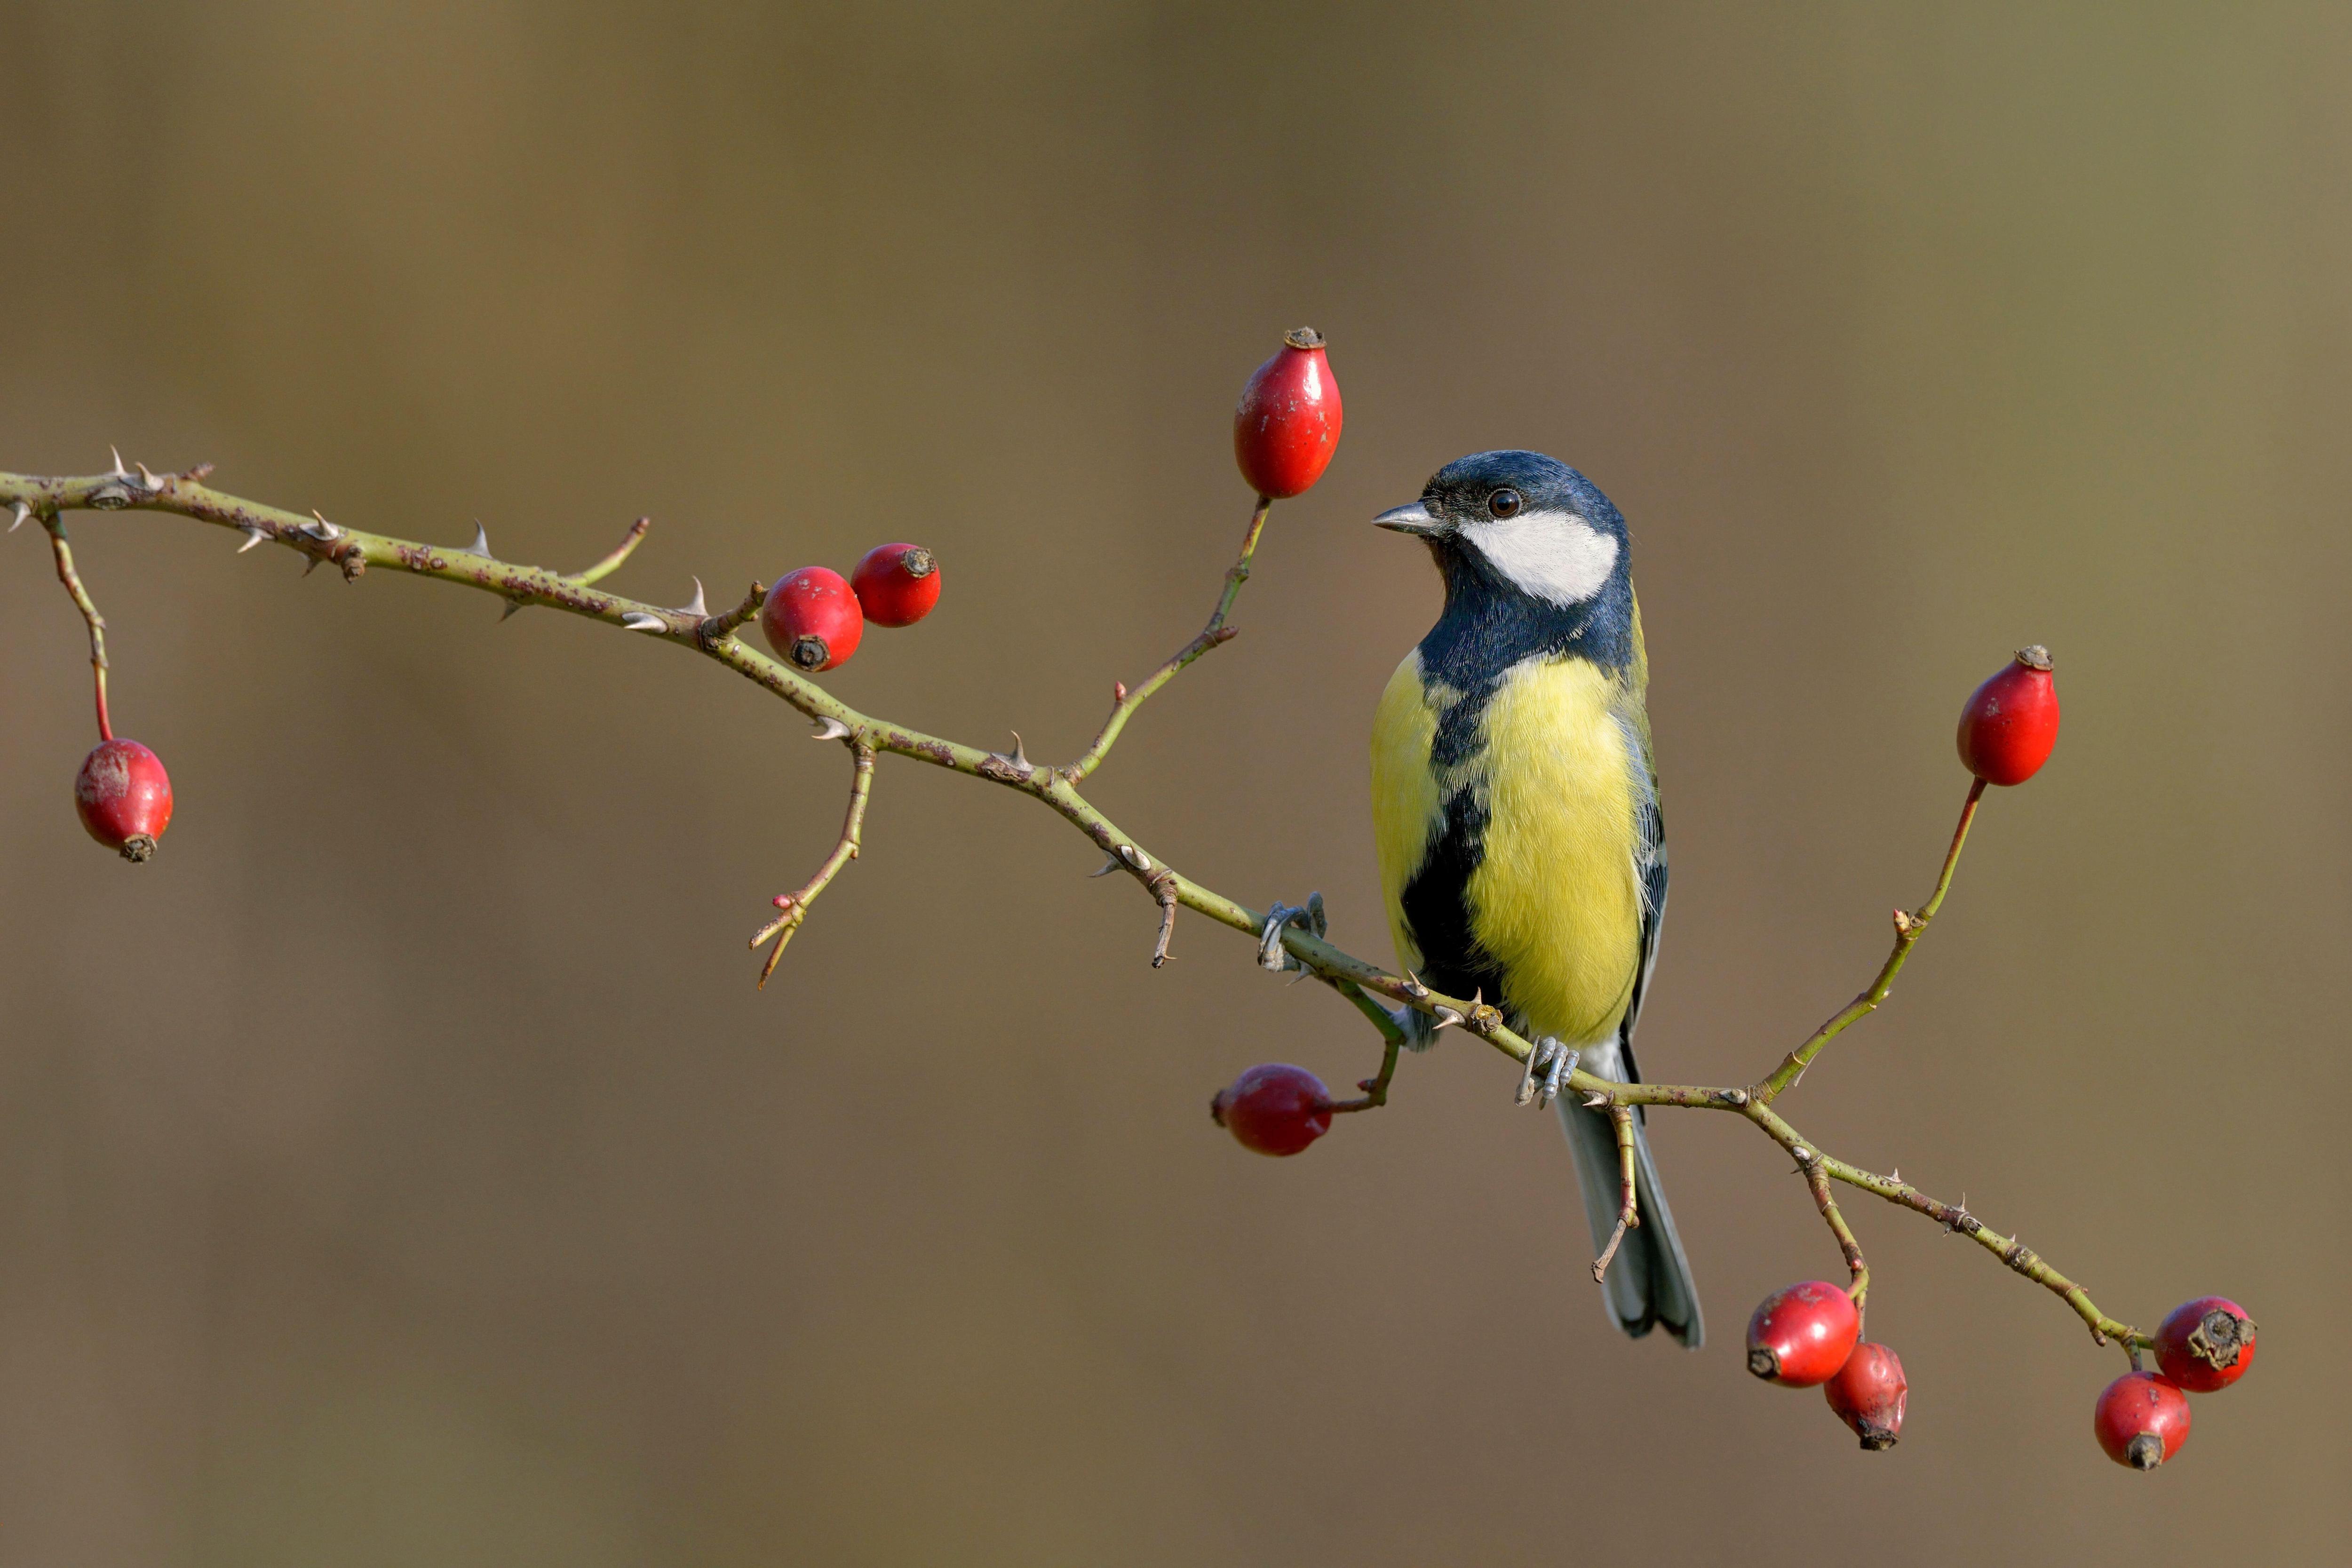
(2206, 1344)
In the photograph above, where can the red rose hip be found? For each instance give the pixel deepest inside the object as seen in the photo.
(2011, 720)
(2206, 1344)
(124, 798)
(1800, 1337)
(897, 584)
(1273, 1109)
(1287, 424)
(2142, 1420)
(1867, 1395)
(811, 620)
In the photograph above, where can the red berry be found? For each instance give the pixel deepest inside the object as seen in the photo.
(1288, 422)
(2011, 720)
(811, 620)
(1273, 1109)
(897, 584)
(1801, 1336)
(2206, 1344)
(1867, 1395)
(2142, 1420)
(124, 798)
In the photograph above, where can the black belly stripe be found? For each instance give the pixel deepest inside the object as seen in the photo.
(1437, 905)
(1436, 900)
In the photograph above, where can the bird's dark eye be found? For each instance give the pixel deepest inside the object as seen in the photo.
(1503, 503)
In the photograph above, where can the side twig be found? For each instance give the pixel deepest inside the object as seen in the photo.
(1621, 1118)
(1908, 931)
(1124, 702)
(1818, 1180)
(796, 904)
(71, 578)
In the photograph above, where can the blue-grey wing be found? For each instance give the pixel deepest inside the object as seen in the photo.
(1650, 876)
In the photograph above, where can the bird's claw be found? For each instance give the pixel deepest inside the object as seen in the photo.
(1548, 1066)
(1270, 955)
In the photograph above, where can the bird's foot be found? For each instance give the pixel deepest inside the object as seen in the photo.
(1270, 954)
(1548, 1066)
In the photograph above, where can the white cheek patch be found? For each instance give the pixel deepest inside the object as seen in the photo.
(1554, 556)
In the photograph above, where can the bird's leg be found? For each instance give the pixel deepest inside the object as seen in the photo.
(1549, 1064)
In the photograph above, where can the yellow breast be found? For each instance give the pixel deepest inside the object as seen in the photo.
(1555, 899)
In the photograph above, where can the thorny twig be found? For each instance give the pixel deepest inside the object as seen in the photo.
(1908, 929)
(1818, 1180)
(796, 904)
(66, 575)
(1124, 702)
(1363, 984)
(1620, 1119)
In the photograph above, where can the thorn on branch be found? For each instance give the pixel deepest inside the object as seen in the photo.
(1111, 864)
(254, 534)
(639, 621)
(830, 729)
(481, 545)
(23, 511)
(322, 531)
(1135, 857)
(695, 607)
(1015, 768)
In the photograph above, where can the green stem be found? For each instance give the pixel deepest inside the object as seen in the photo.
(1908, 931)
(1125, 702)
(71, 578)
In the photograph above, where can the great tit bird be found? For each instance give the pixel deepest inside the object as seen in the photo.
(1515, 800)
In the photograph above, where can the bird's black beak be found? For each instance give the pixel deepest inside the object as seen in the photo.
(1413, 518)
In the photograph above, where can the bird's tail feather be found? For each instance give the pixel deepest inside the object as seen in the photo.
(1649, 1281)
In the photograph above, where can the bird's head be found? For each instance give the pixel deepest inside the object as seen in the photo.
(1516, 523)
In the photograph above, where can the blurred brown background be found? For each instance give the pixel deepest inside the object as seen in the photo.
(402, 1169)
